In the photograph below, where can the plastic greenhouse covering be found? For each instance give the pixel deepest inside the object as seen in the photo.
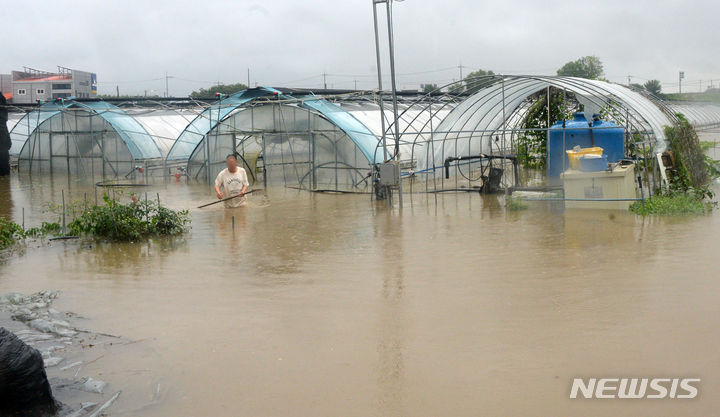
(196, 130)
(89, 139)
(295, 146)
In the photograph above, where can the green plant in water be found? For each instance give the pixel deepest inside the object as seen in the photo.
(11, 232)
(688, 191)
(692, 169)
(129, 222)
(675, 204)
(515, 204)
(45, 229)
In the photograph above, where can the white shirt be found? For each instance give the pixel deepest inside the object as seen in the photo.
(232, 183)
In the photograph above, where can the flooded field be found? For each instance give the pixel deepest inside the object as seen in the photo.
(332, 305)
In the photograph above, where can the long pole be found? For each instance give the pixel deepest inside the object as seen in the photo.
(391, 43)
(547, 95)
(228, 198)
(388, 5)
(167, 89)
(380, 87)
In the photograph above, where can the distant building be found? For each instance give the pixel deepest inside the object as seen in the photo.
(6, 85)
(31, 85)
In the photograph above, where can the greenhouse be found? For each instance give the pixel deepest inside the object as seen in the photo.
(24, 124)
(300, 140)
(295, 143)
(89, 139)
(457, 137)
(488, 124)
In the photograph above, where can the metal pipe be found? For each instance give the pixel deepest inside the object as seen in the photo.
(63, 213)
(380, 87)
(580, 199)
(481, 156)
(391, 44)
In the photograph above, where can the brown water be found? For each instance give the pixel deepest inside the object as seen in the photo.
(330, 305)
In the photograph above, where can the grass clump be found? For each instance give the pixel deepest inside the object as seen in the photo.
(116, 221)
(675, 204)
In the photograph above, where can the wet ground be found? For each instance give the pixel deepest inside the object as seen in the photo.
(333, 305)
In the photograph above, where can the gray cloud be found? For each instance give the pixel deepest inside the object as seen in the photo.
(291, 42)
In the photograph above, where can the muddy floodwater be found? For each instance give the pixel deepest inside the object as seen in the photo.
(332, 305)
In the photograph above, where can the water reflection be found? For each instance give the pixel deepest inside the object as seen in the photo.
(6, 202)
(107, 260)
(388, 230)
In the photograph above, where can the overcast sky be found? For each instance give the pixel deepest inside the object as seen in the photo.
(132, 44)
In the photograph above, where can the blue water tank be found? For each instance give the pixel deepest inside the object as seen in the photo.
(604, 134)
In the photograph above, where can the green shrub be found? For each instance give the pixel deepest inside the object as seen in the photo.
(128, 222)
(53, 229)
(692, 164)
(688, 192)
(676, 203)
(10, 232)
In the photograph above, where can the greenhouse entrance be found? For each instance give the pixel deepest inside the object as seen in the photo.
(310, 161)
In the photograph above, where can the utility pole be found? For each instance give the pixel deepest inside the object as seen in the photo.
(394, 180)
(391, 49)
(680, 77)
(248, 84)
(355, 85)
(324, 80)
(117, 90)
(380, 88)
(629, 80)
(461, 66)
(167, 89)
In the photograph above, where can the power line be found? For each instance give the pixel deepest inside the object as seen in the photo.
(130, 82)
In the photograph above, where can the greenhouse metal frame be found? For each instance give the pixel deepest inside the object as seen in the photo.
(333, 142)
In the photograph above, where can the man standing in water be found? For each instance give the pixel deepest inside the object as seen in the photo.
(233, 181)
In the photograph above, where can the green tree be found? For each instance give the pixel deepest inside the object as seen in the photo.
(653, 87)
(222, 88)
(589, 67)
(472, 83)
(477, 80)
(637, 86)
(429, 88)
(456, 88)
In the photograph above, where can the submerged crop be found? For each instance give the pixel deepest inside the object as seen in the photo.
(127, 222)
